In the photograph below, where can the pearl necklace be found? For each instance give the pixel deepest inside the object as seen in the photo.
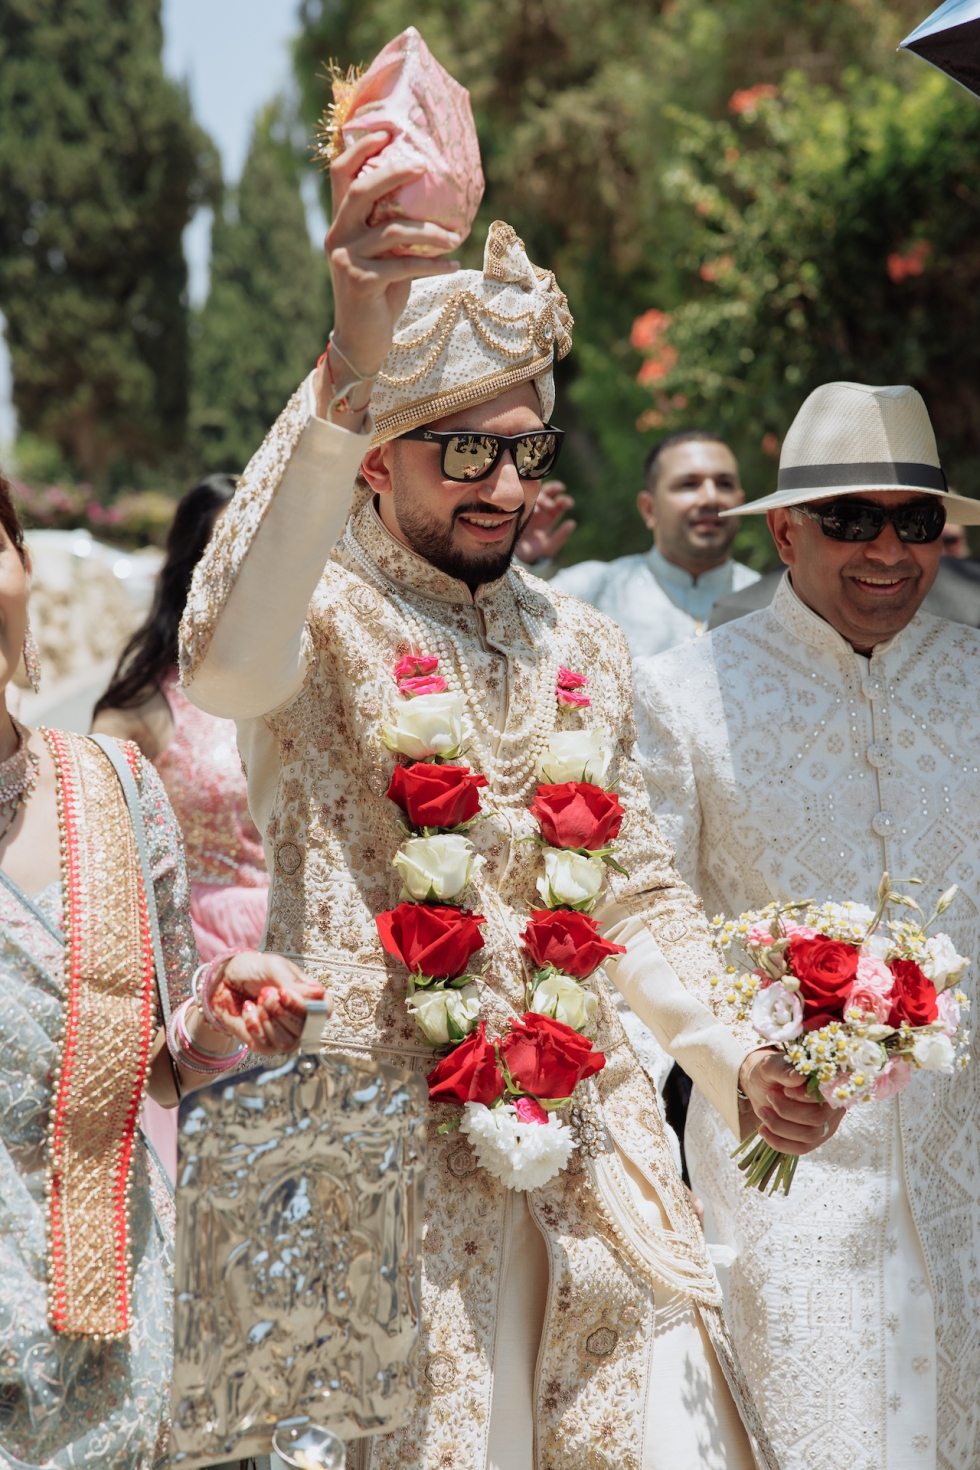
(18, 777)
(479, 730)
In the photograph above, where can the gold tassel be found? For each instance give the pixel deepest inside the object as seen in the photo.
(329, 137)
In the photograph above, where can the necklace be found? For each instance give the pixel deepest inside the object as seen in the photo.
(18, 777)
(512, 775)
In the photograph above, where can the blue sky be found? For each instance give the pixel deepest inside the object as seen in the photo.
(234, 56)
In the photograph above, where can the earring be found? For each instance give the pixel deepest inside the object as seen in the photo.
(32, 660)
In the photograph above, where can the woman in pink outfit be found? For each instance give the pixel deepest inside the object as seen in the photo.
(198, 761)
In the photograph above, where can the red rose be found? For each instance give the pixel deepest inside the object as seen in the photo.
(826, 969)
(429, 938)
(577, 814)
(568, 940)
(547, 1058)
(436, 796)
(913, 995)
(470, 1073)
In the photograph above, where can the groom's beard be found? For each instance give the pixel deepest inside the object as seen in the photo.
(436, 541)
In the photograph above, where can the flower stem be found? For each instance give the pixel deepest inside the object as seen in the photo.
(762, 1163)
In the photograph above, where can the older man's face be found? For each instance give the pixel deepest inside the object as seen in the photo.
(867, 590)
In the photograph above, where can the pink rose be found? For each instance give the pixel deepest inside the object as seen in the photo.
(414, 664)
(759, 937)
(800, 931)
(424, 684)
(872, 988)
(894, 1075)
(529, 1110)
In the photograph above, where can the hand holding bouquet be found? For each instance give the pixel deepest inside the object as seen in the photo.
(854, 1004)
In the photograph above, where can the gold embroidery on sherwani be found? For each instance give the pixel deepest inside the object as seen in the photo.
(102, 1073)
(337, 834)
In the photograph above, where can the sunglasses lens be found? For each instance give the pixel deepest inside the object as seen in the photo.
(921, 523)
(468, 456)
(851, 520)
(536, 454)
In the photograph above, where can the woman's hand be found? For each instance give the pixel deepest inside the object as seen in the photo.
(543, 536)
(261, 1000)
(370, 285)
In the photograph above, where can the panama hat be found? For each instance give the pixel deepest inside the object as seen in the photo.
(849, 439)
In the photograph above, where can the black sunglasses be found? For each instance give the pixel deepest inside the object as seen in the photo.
(467, 456)
(850, 519)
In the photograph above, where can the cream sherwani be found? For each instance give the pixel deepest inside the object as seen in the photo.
(782, 764)
(575, 1327)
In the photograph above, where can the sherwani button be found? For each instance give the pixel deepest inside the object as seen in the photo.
(878, 755)
(870, 688)
(882, 823)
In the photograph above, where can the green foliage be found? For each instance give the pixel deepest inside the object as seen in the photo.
(832, 236)
(264, 322)
(101, 166)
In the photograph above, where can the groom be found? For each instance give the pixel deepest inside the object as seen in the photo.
(797, 753)
(575, 1324)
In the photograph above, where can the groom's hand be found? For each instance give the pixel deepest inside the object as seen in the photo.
(788, 1118)
(370, 285)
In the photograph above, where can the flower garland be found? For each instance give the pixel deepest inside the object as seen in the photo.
(512, 1086)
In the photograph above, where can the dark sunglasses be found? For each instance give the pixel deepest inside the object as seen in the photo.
(850, 519)
(467, 456)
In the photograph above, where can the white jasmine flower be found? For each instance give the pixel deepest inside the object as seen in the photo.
(777, 1014)
(565, 1000)
(934, 1053)
(576, 755)
(431, 724)
(433, 1009)
(521, 1155)
(940, 962)
(570, 880)
(436, 868)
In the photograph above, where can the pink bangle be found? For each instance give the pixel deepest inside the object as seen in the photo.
(188, 1053)
(207, 978)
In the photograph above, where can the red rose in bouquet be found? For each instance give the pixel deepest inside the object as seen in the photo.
(427, 937)
(825, 969)
(470, 1073)
(547, 1058)
(577, 814)
(436, 796)
(913, 995)
(568, 940)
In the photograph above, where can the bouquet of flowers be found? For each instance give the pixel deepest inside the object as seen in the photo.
(510, 1087)
(855, 1004)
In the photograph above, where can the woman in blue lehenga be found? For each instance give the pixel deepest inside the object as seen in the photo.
(79, 1035)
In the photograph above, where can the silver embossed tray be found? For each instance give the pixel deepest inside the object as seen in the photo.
(298, 1254)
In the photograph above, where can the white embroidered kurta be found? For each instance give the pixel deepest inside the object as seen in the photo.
(549, 1340)
(782, 764)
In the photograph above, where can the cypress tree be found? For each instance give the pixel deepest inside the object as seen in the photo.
(101, 166)
(262, 326)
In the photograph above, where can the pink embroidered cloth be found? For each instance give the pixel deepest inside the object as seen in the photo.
(430, 119)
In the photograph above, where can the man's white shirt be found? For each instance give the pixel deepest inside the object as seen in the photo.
(781, 764)
(656, 603)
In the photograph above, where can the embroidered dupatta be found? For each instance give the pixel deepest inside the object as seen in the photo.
(105, 1044)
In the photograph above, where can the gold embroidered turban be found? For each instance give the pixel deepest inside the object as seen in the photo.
(467, 337)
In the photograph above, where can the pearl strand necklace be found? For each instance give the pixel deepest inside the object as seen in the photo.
(442, 644)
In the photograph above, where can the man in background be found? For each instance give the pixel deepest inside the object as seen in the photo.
(664, 595)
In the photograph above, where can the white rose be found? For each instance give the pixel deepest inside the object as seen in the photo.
(934, 1053)
(570, 880)
(777, 1014)
(436, 868)
(432, 724)
(433, 1009)
(940, 963)
(576, 755)
(565, 1000)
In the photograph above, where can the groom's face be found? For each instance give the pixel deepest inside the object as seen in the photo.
(468, 531)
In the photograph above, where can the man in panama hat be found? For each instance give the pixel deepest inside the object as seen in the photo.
(799, 752)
